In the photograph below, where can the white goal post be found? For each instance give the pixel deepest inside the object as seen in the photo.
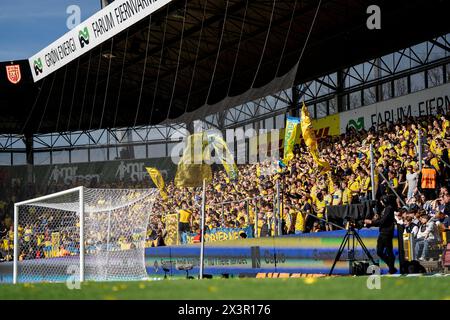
(89, 234)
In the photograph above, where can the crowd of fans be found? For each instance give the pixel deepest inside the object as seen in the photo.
(305, 192)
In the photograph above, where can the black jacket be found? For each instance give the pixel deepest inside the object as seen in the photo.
(386, 222)
(447, 209)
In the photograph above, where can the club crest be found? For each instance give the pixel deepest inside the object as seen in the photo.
(13, 73)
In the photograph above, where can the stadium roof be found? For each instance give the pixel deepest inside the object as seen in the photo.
(139, 77)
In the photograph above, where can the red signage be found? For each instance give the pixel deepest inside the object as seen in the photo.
(13, 73)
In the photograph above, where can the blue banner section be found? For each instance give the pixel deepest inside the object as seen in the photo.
(293, 254)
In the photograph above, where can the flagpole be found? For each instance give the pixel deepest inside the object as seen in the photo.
(202, 231)
(419, 148)
(279, 214)
(256, 218)
(372, 171)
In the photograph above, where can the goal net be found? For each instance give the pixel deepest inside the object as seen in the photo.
(49, 233)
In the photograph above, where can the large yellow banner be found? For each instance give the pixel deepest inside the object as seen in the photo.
(323, 127)
(193, 166)
(310, 139)
(328, 126)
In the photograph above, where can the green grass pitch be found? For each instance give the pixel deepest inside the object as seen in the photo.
(420, 287)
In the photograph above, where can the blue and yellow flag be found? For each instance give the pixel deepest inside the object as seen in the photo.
(158, 181)
(289, 138)
(310, 139)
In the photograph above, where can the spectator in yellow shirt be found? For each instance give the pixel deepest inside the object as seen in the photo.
(346, 194)
(319, 205)
(365, 186)
(337, 195)
(355, 187)
(303, 221)
(300, 219)
(184, 222)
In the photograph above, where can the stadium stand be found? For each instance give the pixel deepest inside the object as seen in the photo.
(305, 194)
(248, 203)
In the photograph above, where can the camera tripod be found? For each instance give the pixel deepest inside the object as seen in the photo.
(349, 239)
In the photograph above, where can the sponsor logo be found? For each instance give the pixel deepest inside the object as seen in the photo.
(13, 73)
(83, 37)
(356, 124)
(320, 134)
(274, 258)
(68, 175)
(38, 67)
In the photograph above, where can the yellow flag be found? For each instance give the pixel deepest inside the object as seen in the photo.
(310, 139)
(222, 151)
(158, 181)
(193, 166)
(289, 138)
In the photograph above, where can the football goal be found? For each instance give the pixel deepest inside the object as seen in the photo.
(82, 233)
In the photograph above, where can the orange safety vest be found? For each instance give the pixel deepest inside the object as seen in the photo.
(428, 178)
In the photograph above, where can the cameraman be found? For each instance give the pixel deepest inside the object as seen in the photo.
(386, 228)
